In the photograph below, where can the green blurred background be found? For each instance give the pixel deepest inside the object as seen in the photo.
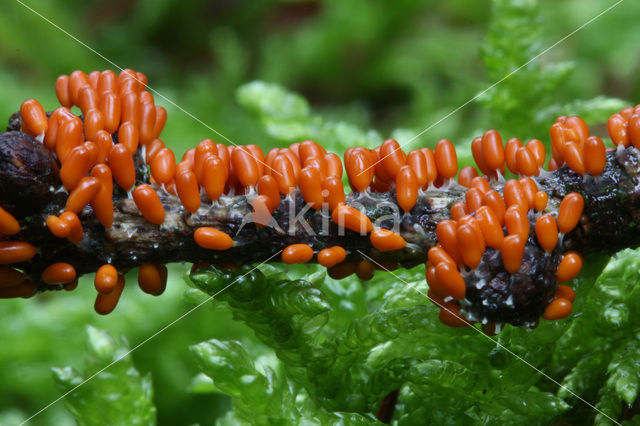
(395, 67)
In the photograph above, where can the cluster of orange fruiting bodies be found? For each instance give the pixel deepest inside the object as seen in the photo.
(121, 121)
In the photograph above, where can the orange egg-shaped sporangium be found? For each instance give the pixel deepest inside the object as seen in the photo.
(633, 130)
(214, 177)
(434, 285)
(579, 127)
(149, 204)
(492, 149)
(526, 162)
(104, 142)
(446, 159)
(152, 149)
(82, 194)
(188, 190)
(574, 157)
(55, 120)
(490, 226)
(469, 245)
(271, 156)
(475, 225)
(319, 164)
(108, 81)
(565, 292)
(392, 157)
(258, 156)
(15, 252)
(450, 280)
(478, 156)
(547, 232)
(129, 136)
(8, 223)
(311, 187)
(481, 184)
(261, 211)
(34, 119)
(529, 189)
(514, 195)
(406, 188)
(204, 148)
(245, 166)
(569, 267)
(77, 79)
(538, 150)
(284, 174)
(93, 123)
(310, 149)
(450, 315)
(495, 202)
(350, 218)
(446, 233)
(554, 165)
(466, 175)
(58, 273)
(147, 122)
(333, 192)
(359, 169)
(58, 227)
(294, 160)
(161, 119)
(106, 279)
(87, 98)
(418, 163)
(70, 134)
(512, 252)
(122, 167)
(163, 166)
(617, 129)
(297, 253)
(106, 303)
(595, 155)
(334, 165)
(540, 200)
(102, 202)
(150, 279)
(473, 199)
(130, 108)
(558, 309)
(76, 230)
(510, 154)
(458, 209)
(432, 169)
(517, 222)
(331, 256)
(268, 187)
(437, 255)
(570, 212)
(387, 240)
(75, 167)
(212, 239)
(94, 79)
(63, 92)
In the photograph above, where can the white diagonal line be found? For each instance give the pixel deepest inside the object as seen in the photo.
(120, 358)
(542, 373)
(148, 86)
(590, 21)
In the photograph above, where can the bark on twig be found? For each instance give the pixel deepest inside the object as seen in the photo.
(30, 189)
